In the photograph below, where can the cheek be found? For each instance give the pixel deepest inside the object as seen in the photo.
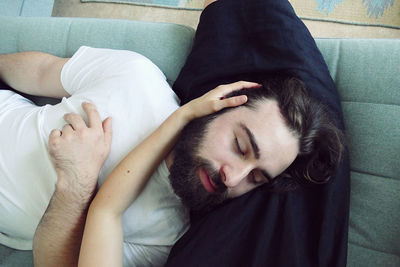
(217, 149)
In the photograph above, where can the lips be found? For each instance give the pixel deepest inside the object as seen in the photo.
(208, 184)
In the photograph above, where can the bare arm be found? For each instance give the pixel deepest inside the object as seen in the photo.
(34, 73)
(125, 183)
(130, 176)
(58, 236)
(77, 154)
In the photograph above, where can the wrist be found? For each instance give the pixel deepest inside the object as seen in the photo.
(72, 191)
(186, 113)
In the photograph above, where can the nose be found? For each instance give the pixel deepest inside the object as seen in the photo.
(232, 175)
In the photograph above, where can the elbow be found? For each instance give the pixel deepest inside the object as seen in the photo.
(101, 208)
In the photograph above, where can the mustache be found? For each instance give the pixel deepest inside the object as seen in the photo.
(215, 177)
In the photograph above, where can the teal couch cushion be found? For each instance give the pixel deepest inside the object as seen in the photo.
(167, 45)
(366, 73)
(28, 8)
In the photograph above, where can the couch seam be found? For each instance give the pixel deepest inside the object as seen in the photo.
(22, 7)
(364, 102)
(376, 175)
(363, 246)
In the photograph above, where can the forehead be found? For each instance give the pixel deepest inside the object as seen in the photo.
(265, 117)
(278, 146)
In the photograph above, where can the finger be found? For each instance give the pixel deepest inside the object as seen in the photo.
(67, 129)
(75, 120)
(107, 128)
(94, 119)
(54, 136)
(233, 101)
(229, 88)
(241, 85)
(55, 133)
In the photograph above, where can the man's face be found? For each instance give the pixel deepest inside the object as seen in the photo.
(230, 155)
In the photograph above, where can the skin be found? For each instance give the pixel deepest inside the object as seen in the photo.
(227, 156)
(240, 150)
(236, 162)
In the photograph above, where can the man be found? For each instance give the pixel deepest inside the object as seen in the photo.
(80, 78)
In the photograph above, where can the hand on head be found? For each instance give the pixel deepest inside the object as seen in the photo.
(215, 100)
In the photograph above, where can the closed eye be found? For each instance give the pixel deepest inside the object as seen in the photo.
(254, 180)
(238, 146)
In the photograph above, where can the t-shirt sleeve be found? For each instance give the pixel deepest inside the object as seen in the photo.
(142, 255)
(90, 66)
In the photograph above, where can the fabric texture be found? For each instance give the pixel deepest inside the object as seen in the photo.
(63, 37)
(124, 85)
(384, 13)
(368, 81)
(26, 8)
(178, 4)
(251, 40)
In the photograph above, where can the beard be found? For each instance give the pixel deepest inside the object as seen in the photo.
(184, 171)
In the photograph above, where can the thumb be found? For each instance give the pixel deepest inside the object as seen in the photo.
(107, 128)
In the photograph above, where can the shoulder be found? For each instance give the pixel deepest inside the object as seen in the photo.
(119, 59)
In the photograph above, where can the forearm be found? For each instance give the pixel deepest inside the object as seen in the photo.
(59, 234)
(102, 247)
(122, 187)
(131, 175)
(34, 73)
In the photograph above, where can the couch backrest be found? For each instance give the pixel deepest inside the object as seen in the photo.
(367, 74)
(167, 45)
(28, 8)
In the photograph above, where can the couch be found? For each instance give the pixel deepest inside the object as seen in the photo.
(366, 72)
(26, 8)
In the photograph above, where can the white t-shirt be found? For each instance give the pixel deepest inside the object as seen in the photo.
(124, 85)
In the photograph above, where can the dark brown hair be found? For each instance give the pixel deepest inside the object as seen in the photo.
(320, 139)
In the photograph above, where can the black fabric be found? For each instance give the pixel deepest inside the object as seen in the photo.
(4, 86)
(250, 40)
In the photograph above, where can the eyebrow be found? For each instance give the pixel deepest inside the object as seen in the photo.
(254, 145)
(252, 139)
